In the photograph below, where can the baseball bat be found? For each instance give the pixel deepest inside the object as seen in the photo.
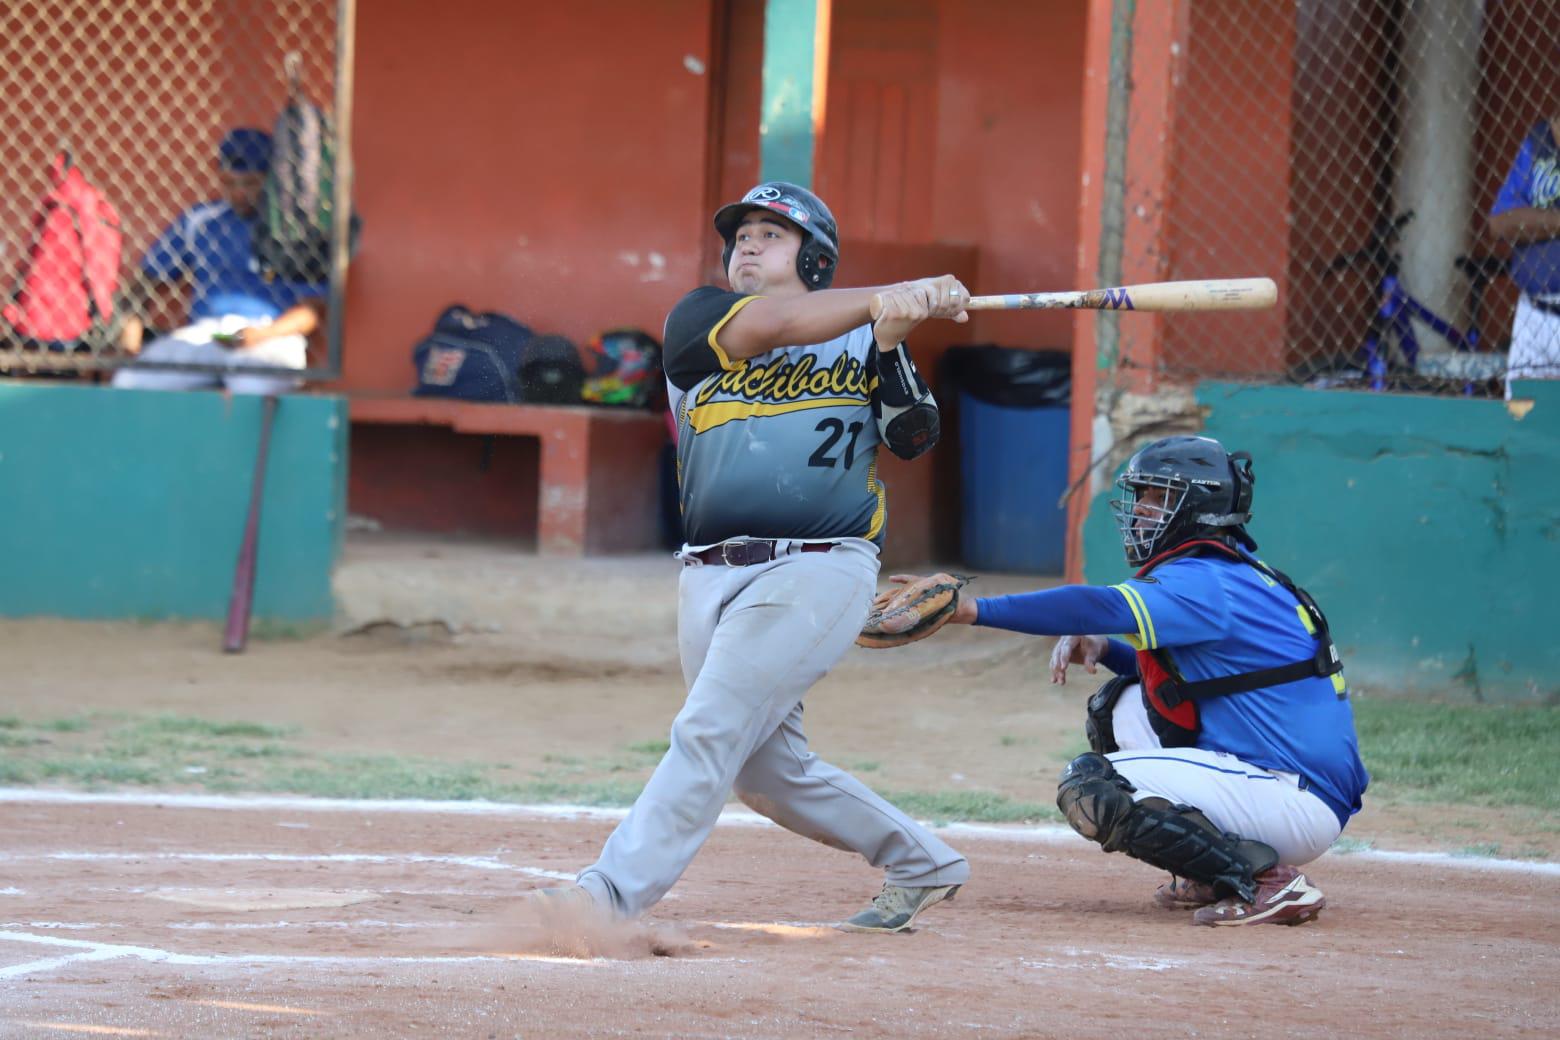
(1223, 294)
(243, 594)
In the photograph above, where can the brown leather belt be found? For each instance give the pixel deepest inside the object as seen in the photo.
(748, 551)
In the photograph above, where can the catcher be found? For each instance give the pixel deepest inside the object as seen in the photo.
(1224, 749)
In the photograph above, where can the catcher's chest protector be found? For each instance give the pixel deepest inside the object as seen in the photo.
(1172, 701)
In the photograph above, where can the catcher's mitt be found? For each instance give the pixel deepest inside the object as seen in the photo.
(913, 611)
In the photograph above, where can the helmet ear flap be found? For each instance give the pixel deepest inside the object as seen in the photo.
(1245, 480)
(814, 266)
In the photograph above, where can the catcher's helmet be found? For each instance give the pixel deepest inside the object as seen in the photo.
(820, 252)
(1207, 495)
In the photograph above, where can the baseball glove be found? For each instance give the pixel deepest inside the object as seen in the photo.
(919, 607)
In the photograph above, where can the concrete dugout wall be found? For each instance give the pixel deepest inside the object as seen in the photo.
(1427, 528)
(131, 504)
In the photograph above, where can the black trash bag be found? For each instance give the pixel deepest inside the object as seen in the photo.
(1010, 376)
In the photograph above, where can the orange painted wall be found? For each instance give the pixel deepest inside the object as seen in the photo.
(958, 123)
(544, 160)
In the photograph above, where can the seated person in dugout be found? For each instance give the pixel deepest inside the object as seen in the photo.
(1224, 749)
(1527, 215)
(237, 318)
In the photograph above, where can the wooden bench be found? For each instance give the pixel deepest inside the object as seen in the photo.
(597, 474)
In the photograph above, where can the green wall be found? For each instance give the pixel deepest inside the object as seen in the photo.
(131, 503)
(1427, 528)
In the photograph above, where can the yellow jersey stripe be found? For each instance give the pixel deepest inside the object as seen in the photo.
(1144, 618)
(1305, 619)
(1140, 640)
(719, 413)
(1153, 636)
(720, 352)
(881, 512)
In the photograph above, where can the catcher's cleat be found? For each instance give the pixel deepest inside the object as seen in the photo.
(895, 909)
(1184, 894)
(1284, 896)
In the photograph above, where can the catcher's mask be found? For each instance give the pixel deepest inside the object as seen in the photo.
(820, 252)
(1206, 494)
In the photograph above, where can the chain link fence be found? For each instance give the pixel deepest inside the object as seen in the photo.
(138, 137)
(1390, 163)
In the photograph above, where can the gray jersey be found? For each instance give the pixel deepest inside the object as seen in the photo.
(782, 445)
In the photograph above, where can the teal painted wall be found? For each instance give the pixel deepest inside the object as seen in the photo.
(1427, 528)
(131, 504)
(785, 129)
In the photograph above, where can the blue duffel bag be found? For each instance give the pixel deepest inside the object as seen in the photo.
(471, 356)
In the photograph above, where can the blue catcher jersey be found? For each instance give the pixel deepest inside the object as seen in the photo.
(1187, 607)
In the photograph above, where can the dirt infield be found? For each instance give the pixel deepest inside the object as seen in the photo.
(152, 914)
(286, 920)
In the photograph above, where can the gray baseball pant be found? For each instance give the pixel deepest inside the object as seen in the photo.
(753, 640)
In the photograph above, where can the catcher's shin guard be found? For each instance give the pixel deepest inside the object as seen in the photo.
(1097, 802)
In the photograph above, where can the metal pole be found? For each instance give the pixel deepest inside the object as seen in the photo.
(341, 187)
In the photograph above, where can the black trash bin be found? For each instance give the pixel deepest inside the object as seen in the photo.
(1014, 407)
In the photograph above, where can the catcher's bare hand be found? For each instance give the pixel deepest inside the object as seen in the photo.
(1084, 650)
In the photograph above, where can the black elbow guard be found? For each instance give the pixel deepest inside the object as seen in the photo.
(913, 431)
(906, 411)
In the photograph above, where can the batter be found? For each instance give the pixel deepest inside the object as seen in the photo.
(783, 390)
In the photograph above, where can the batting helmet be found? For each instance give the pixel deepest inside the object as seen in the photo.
(820, 252)
(1207, 494)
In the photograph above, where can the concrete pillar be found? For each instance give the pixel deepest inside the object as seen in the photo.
(1438, 79)
(796, 63)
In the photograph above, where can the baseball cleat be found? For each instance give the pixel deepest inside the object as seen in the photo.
(562, 900)
(895, 909)
(1184, 894)
(1284, 896)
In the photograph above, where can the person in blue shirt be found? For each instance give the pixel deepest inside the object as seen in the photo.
(237, 319)
(1526, 214)
(1224, 750)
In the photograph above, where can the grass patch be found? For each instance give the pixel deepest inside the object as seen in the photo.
(10, 722)
(76, 724)
(651, 747)
(1499, 755)
(971, 806)
(1346, 845)
(1479, 850)
(185, 724)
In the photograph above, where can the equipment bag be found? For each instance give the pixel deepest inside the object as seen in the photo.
(65, 292)
(625, 369)
(551, 372)
(471, 356)
(292, 238)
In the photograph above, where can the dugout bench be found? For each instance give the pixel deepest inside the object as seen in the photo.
(584, 480)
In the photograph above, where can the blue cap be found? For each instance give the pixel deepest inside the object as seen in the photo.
(245, 150)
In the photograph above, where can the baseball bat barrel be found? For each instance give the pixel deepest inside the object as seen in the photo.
(1228, 294)
(240, 601)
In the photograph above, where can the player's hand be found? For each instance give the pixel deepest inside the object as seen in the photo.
(900, 308)
(1084, 650)
(251, 335)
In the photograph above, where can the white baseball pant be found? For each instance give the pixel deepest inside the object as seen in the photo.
(1263, 805)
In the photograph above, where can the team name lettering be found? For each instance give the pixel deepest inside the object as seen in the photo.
(787, 380)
